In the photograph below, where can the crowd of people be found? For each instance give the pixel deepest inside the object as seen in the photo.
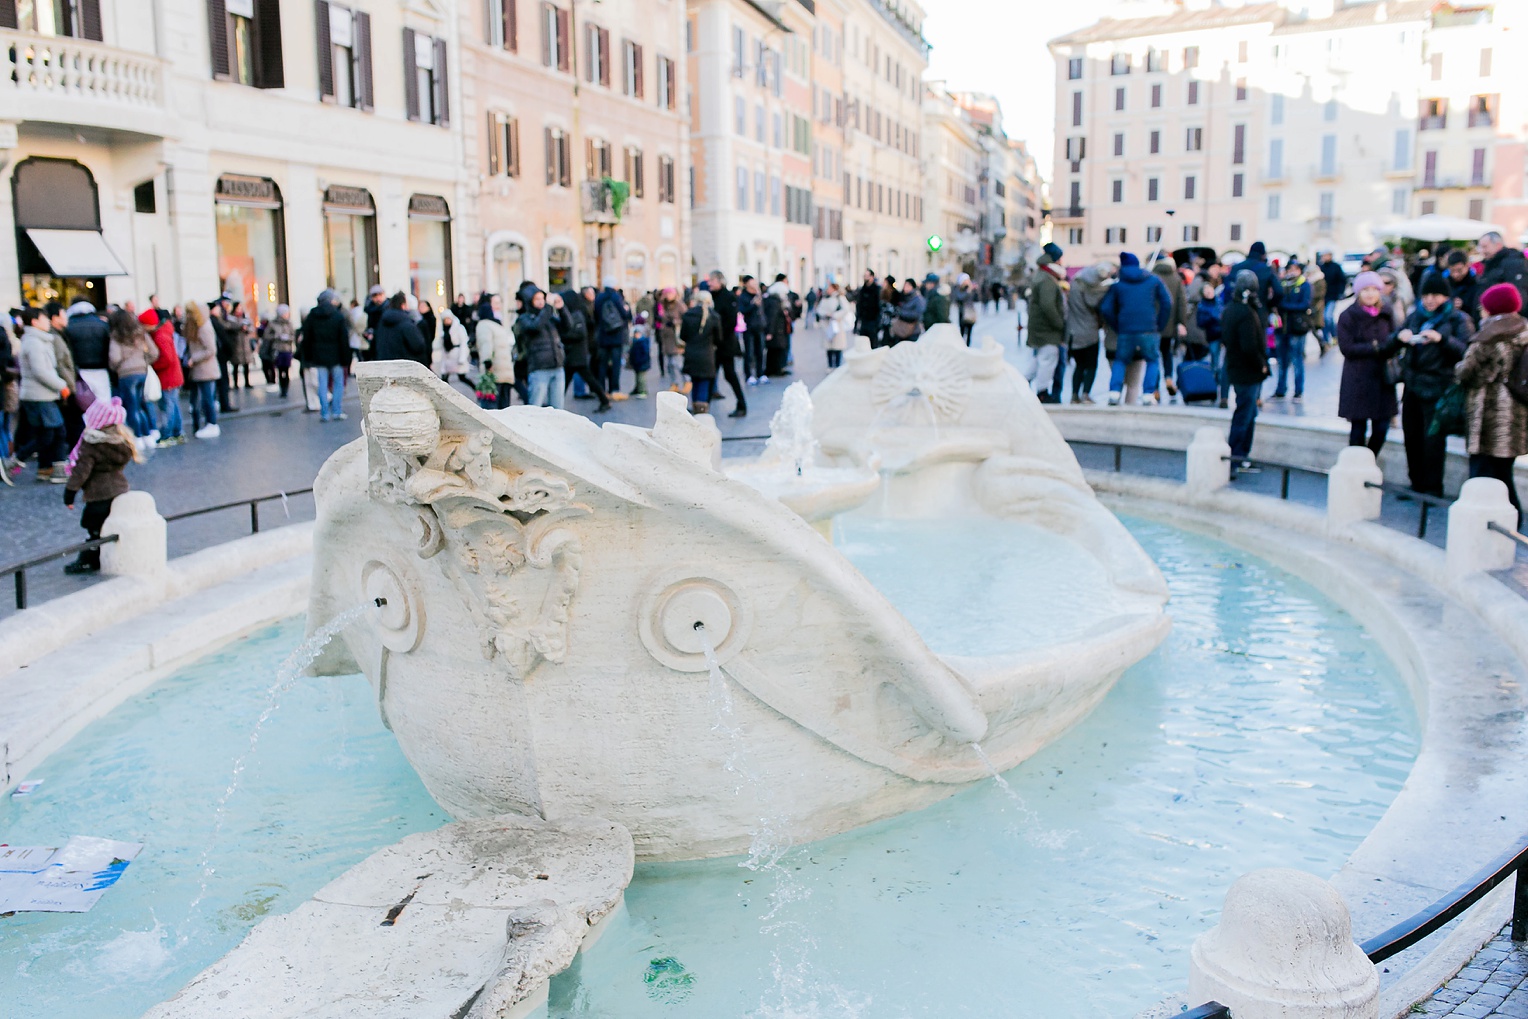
(1437, 339)
(102, 388)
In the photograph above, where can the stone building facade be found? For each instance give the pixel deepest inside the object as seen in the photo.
(267, 148)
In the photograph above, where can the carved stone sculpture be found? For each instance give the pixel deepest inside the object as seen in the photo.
(553, 595)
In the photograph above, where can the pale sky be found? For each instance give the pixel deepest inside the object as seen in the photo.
(998, 46)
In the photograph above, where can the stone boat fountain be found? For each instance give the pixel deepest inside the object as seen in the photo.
(553, 595)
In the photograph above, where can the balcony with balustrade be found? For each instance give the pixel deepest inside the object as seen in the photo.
(81, 83)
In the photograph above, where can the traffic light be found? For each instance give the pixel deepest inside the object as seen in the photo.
(935, 242)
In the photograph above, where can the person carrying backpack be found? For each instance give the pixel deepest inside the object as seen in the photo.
(612, 332)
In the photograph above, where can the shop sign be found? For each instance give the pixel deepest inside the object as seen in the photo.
(429, 207)
(234, 189)
(348, 199)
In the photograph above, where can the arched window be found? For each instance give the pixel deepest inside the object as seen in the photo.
(508, 269)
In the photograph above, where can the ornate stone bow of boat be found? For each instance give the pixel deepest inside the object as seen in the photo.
(550, 591)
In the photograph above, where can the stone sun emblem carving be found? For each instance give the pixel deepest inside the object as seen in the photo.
(917, 375)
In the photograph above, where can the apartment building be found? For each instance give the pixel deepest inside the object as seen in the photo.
(829, 253)
(575, 139)
(738, 137)
(1023, 203)
(885, 56)
(259, 147)
(1210, 126)
(1007, 194)
(796, 153)
(1471, 115)
(954, 181)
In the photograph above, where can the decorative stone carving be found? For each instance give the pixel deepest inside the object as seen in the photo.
(922, 377)
(578, 561)
(498, 525)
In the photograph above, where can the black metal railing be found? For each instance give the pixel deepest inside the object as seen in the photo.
(253, 504)
(1276, 465)
(1433, 918)
(19, 570)
(1422, 499)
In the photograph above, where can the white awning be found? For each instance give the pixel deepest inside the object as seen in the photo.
(76, 253)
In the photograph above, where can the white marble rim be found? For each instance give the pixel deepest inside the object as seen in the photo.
(1260, 525)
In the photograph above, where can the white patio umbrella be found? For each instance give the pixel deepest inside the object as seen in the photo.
(1434, 227)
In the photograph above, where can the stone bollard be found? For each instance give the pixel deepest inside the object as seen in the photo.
(1284, 950)
(1349, 499)
(1473, 547)
(1209, 466)
(139, 550)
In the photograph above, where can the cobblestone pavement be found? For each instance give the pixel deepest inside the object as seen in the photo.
(1495, 983)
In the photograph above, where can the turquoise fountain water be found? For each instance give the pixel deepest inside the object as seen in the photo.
(1268, 730)
(324, 785)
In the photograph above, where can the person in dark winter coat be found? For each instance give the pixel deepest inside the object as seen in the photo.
(1463, 285)
(1336, 290)
(1207, 316)
(908, 323)
(777, 328)
(1497, 432)
(1269, 292)
(750, 305)
(1176, 329)
(536, 336)
(397, 336)
(105, 448)
(325, 346)
(700, 332)
(1138, 307)
(1364, 334)
(1503, 264)
(728, 348)
(573, 326)
(1047, 326)
(1436, 336)
(612, 334)
(867, 308)
(1243, 331)
(89, 341)
(1294, 309)
(936, 302)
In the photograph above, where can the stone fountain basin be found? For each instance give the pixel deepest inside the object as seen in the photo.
(544, 577)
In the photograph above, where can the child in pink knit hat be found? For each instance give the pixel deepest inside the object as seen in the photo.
(96, 468)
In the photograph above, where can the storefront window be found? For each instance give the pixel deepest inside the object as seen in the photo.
(57, 199)
(429, 248)
(559, 267)
(350, 242)
(251, 243)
